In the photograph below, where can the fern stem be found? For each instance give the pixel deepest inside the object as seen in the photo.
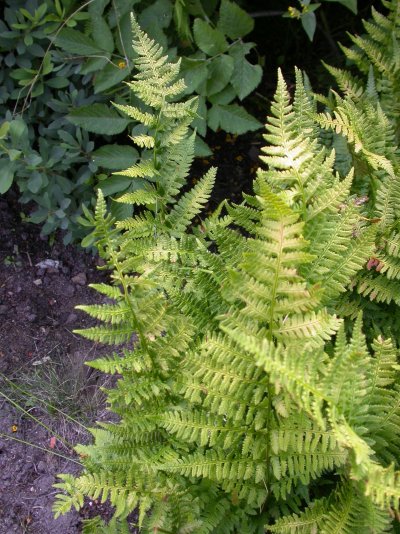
(303, 195)
(136, 326)
(155, 160)
(270, 335)
(268, 448)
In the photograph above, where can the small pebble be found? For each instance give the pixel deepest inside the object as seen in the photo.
(41, 466)
(38, 282)
(79, 279)
(72, 317)
(68, 290)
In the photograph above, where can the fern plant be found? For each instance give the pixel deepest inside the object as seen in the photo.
(367, 115)
(244, 404)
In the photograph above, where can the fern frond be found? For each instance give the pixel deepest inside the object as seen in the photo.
(344, 267)
(314, 327)
(72, 498)
(135, 360)
(144, 169)
(111, 292)
(191, 203)
(306, 522)
(139, 197)
(113, 314)
(294, 469)
(383, 486)
(110, 335)
(141, 116)
(351, 512)
(143, 225)
(350, 85)
(97, 526)
(240, 397)
(379, 289)
(144, 141)
(333, 198)
(198, 427)
(385, 368)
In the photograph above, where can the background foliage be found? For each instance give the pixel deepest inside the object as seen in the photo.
(62, 61)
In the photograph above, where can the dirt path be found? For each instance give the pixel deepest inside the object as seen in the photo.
(39, 288)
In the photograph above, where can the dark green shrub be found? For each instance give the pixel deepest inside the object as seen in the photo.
(47, 156)
(61, 65)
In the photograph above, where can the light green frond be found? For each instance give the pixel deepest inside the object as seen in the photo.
(111, 335)
(143, 225)
(135, 360)
(291, 470)
(144, 169)
(297, 372)
(391, 267)
(240, 399)
(306, 522)
(113, 314)
(383, 486)
(337, 269)
(111, 292)
(315, 327)
(216, 466)
(138, 394)
(304, 108)
(351, 120)
(379, 289)
(71, 498)
(245, 216)
(387, 197)
(333, 197)
(354, 55)
(350, 512)
(98, 526)
(345, 511)
(153, 66)
(139, 197)
(199, 427)
(134, 113)
(191, 203)
(348, 438)
(143, 141)
(151, 95)
(176, 134)
(348, 84)
(180, 110)
(176, 166)
(385, 369)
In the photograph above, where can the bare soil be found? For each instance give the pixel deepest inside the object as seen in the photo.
(37, 319)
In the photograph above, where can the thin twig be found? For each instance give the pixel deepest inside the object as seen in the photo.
(99, 56)
(29, 258)
(38, 421)
(120, 33)
(40, 400)
(258, 14)
(7, 436)
(35, 79)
